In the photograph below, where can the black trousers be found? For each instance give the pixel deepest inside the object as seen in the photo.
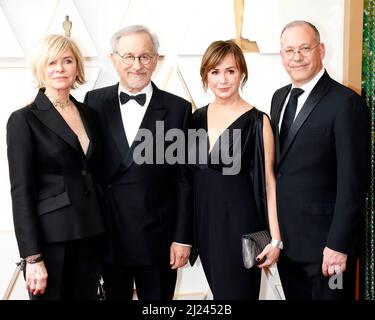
(152, 282)
(73, 269)
(305, 281)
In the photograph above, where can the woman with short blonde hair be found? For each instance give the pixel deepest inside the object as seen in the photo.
(57, 218)
(48, 49)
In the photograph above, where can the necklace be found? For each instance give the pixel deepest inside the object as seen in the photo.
(59, 103)
(73, 119)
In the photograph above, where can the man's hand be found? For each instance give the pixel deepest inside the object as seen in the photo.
(179, 255)
(334, 262)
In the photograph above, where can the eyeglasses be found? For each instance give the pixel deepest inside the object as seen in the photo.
(129, 59)
(304, 51)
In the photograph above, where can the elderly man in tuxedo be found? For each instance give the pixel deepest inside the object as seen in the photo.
(149, 205)
(322, 132)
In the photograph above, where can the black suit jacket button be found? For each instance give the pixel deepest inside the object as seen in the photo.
(109, 186)
(84, 172)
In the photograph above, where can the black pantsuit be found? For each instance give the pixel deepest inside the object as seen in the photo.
(74, 267)
(56, 207)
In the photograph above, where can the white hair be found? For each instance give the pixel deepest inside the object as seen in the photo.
(131, 30)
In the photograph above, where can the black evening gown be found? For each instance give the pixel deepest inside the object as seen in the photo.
(227, 206)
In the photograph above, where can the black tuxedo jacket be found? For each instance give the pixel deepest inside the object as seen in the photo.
(322, 172)
(149, 205)
(54, 194)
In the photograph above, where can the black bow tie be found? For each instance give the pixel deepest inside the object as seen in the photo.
(140, 98)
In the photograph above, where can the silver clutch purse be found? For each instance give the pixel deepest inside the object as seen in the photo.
(252, 245)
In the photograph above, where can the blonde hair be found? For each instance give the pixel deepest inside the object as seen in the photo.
(215, 54)
(49, 49)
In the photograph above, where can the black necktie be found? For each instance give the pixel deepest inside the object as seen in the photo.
(140, 98)
(289, 114)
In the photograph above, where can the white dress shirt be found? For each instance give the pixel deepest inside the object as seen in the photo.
(132, 112)
(307, 88)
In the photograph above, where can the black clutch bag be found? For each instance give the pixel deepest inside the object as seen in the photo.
(252, 245)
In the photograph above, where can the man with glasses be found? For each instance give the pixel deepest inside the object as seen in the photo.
(149, 206)
(322, 132)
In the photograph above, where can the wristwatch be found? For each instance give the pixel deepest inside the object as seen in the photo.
(277, 244)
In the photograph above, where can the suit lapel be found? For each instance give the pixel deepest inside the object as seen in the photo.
(275, 116)
(87, 123)
(155, 112)
(114, 120)
(50, 117)
(318, 92)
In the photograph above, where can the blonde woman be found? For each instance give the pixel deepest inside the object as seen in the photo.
(51, 145)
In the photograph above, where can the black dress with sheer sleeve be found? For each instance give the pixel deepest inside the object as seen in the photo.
(229, 203)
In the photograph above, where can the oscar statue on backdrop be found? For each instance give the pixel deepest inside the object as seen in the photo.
(245, 44)
(67, 25)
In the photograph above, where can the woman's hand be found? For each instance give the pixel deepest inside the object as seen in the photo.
(271, 255)
(36, 277)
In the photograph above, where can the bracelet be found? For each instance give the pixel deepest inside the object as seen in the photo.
(277, 244)
(34, 259)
